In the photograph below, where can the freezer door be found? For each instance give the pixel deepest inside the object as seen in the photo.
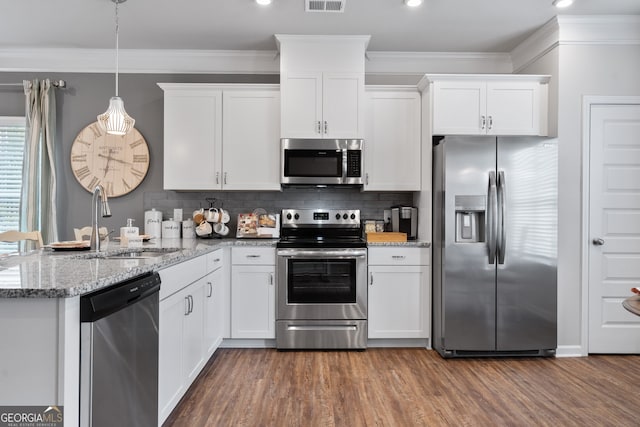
(468, 277)
(527, 244)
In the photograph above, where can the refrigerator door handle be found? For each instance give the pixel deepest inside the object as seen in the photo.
(502, 210)
(492, 217)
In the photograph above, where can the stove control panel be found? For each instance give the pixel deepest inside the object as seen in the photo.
(300, 218)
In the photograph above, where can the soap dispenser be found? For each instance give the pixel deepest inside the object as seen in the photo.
(129, 231)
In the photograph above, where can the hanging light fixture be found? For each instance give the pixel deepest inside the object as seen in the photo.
(115, 120)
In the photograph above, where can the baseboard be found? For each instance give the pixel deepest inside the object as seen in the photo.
(402, 342)
(248, 343)
(570, 351)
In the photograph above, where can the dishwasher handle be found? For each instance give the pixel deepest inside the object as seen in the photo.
(99, 304)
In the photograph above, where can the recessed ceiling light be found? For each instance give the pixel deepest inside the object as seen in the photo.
(562, 3)
(263, 2)
(413, 3)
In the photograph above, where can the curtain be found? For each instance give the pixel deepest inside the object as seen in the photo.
(38, 201)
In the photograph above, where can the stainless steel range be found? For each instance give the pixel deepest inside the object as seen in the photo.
(322, 289)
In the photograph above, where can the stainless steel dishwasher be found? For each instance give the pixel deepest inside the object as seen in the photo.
(119, 354)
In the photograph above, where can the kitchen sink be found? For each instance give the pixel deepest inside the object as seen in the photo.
(137, 253)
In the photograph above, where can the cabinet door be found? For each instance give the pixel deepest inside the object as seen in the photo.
(171, 380)
(343, 105)
(214, 311)
(301, 105)
(253, 303)
(398, 302)
(193, 331)
(192, 139)
(513, 108)
(392, 141)
(251, 140)
(459, 107)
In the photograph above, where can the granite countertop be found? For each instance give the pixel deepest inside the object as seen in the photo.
(46, 273)
(407, 244)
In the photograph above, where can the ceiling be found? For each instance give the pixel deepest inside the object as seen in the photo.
(435, 26)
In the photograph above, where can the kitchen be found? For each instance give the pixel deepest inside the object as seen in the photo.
(144, 101)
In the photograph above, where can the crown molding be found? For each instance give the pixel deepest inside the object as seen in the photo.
(234, 62)
(576, 30)
(436, 62)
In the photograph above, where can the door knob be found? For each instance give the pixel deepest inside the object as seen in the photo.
(598, 241)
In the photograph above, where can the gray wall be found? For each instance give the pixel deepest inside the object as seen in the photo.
(87, 95)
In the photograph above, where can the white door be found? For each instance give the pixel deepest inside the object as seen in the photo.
(614, 227)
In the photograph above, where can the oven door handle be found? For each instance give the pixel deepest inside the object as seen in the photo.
(342, 253)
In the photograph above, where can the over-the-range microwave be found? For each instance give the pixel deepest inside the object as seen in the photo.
(321, 161)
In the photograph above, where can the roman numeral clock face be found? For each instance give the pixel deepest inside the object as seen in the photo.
(119, 163)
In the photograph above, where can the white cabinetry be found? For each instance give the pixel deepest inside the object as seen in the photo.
(488, 104)
(399, 293)
(322, 105)
(322, 86)
(221, 137)
(253, 293)
(190, 325)
(392, 139)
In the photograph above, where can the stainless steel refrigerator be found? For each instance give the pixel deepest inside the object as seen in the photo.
(494, 246)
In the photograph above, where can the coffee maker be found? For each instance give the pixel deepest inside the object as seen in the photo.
(404, 219)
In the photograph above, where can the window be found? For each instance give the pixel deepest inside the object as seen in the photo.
(12, 135)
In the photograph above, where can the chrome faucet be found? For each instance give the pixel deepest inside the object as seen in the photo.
(106, 212)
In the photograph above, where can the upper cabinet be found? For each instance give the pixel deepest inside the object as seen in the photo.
(322, 86)
(392, 139)
(509, 104)
(221, 137)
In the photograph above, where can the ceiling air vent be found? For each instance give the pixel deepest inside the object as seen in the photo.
(324, 5)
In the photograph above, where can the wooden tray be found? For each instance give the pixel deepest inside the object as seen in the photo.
(387, 237)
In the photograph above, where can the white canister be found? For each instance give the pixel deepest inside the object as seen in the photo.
(153, 223)
(171, 229)
(177, 214)
(188, 229)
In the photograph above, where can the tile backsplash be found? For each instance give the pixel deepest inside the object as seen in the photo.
(371, 204)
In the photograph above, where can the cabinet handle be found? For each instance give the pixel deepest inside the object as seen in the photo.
(216, 260)
(366, 178)
(210, 289)
(483, 122)
(398, 256)
(318, 127)
(217, 177)
(190, 304)
(186, 308)
(253, 256)
(225, 178)
(271, 279)
(326, 127)
(490, 122)
(370, 279)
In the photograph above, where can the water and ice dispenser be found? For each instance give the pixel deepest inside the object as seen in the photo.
(470, 218)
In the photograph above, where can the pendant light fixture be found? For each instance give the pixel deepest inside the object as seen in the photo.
(115, 120)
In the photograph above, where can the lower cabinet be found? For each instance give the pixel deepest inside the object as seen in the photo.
(399, 293)
(190, 325)
(253, 293)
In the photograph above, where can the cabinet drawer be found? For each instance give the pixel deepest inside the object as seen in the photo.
(180, 275)
(214, 260)
(398, 256)
(253, 256)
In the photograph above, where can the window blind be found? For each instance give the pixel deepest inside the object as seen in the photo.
(12, 136)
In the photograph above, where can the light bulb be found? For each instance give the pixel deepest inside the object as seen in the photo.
(263, 2)
(562, 3)
(413, 3)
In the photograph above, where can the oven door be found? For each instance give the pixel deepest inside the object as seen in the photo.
(326, 284)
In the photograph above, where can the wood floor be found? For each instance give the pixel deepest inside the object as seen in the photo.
(409, 387)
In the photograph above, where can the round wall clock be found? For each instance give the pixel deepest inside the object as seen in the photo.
(119, 163)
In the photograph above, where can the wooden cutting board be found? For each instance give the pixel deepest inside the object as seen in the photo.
(387, 237)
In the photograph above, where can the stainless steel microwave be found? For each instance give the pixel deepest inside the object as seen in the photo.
(322, 161)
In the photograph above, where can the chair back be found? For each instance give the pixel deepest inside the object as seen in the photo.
(18, 236)
(84, 233)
